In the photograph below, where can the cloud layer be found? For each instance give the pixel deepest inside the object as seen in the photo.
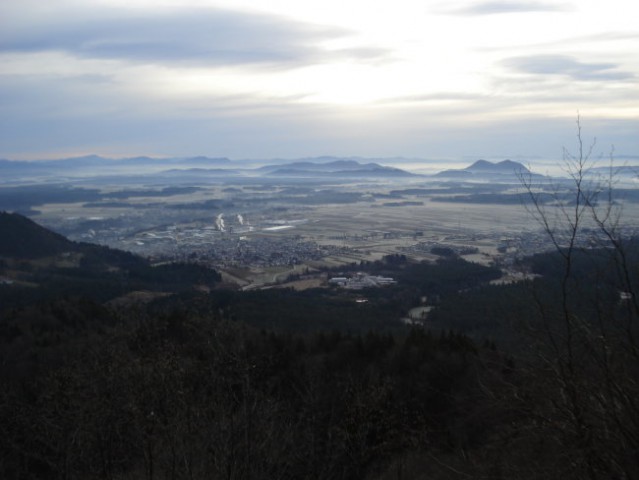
(495, 8)
(201, 37)
(569, 66)
(283, 78)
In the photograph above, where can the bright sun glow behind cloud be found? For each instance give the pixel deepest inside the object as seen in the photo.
(425, 49)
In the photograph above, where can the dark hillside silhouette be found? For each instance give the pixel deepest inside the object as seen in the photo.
(23, 238)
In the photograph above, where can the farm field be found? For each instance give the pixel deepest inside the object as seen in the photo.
(261, 235)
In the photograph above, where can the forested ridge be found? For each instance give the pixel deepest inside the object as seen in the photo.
(531, 380)
(204, 397)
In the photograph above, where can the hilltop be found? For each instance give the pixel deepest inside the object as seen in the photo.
(505, 167)
(485, 170)
(336, 168)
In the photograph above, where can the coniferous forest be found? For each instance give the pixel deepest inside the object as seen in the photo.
(531, 380)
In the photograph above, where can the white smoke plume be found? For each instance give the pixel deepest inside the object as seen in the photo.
(219, 222)
(240, 218)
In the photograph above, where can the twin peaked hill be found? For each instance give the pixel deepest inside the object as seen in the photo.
(487, 170)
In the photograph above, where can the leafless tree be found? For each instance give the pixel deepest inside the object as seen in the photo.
(588, 366)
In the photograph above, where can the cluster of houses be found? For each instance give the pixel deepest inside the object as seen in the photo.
(361, 280)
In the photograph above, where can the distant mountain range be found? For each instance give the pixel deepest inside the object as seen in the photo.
(96, 160)
(193, 168)
(337, 168)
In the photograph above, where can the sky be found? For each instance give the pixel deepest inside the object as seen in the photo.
(302, 78)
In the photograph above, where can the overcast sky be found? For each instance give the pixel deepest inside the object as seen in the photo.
(297, 78)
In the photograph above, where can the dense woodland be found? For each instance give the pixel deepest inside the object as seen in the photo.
(533, 380)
